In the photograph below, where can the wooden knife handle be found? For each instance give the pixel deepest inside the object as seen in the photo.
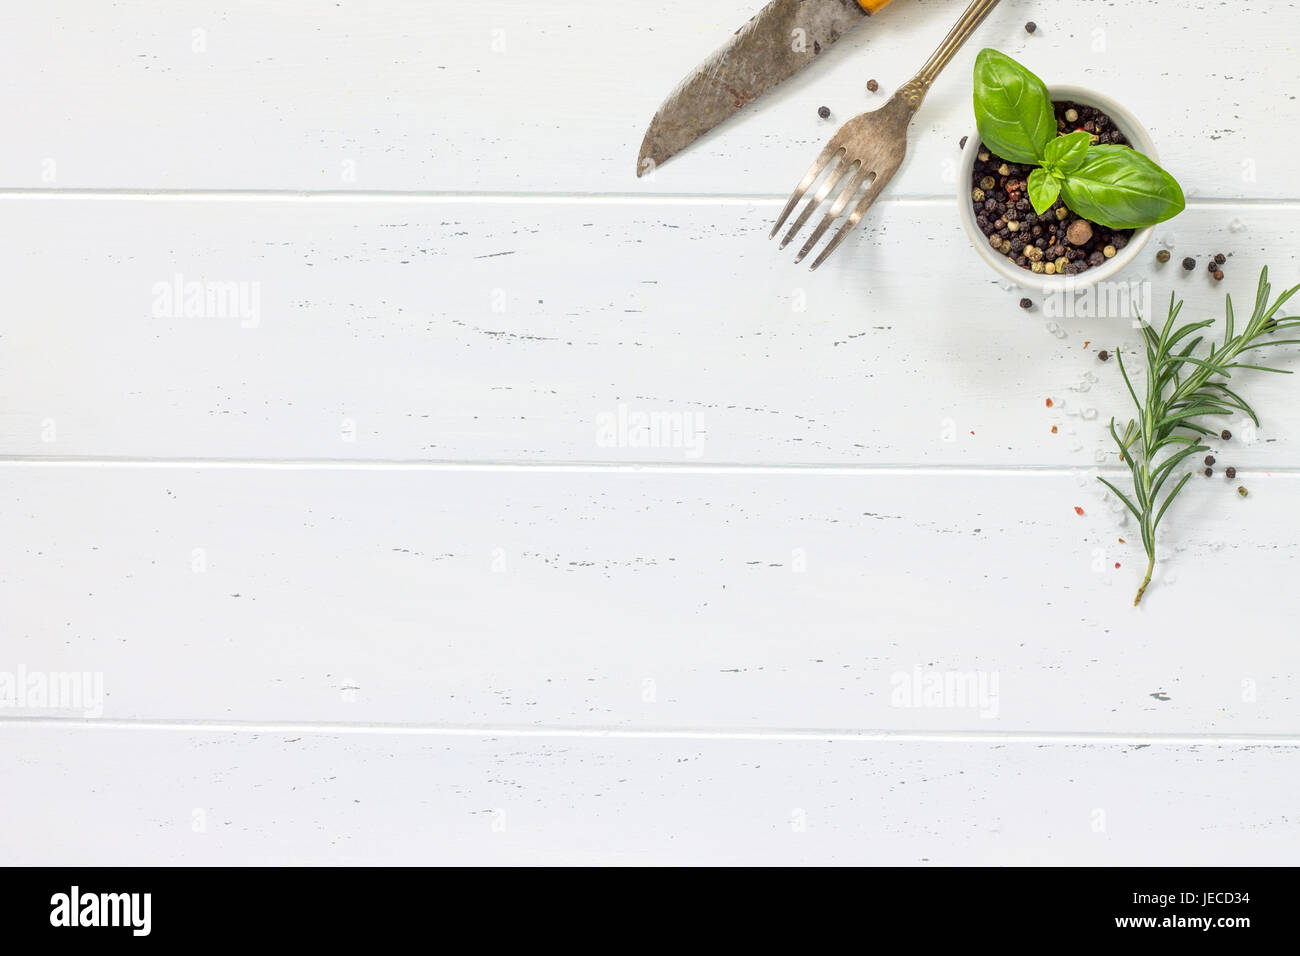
(872, 6)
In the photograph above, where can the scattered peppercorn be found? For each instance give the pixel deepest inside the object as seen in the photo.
(1103, 355)
(1218, 275)
(1189, 263)
(1026, 303)
(1108, 252)
(1220, 258)
(824, 112)
(1209, 472)
(1209, 459)
(1241, 490)
(1031, 26)
(1225, 434)
(872, 85)
(1162, 255)
(1231, 472)
(1072, 116)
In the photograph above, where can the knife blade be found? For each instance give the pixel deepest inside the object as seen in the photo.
(779, 41)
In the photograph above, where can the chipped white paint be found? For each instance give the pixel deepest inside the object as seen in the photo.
(290, 797)
(365, 422)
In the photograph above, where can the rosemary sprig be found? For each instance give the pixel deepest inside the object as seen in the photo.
(1182, 390)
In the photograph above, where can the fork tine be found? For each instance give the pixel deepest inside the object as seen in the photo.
(854, 218)
(809, 178)
(833, 213)
(833, 179)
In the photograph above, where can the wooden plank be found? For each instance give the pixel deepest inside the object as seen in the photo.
(510, 96)
(177, 797)
(974, 602)
(571, 332)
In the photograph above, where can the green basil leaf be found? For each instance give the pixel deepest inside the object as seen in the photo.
(1118, 187)
(1043, 190)
(1013, 109)
(1066, 153)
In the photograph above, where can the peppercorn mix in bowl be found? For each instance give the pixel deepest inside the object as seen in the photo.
(1056, 249)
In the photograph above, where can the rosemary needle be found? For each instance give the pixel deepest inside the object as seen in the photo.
(1182, 389)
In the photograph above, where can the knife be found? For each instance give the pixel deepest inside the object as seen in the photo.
(783, 38)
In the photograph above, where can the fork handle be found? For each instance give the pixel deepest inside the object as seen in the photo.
(917, 87)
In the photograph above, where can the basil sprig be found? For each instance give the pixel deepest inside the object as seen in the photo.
(1113, 186)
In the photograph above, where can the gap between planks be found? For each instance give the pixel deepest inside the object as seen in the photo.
(576, 467)
(507, 198)
(1045, 738)
(579, 467)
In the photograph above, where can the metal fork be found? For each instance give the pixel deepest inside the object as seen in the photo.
(869, 148)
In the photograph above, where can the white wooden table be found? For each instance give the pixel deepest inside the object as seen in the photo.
(377, 561)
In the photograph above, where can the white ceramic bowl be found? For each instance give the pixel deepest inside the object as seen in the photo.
(1138, 138)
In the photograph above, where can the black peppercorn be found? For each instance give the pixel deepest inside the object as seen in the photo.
(1189, 263)
(1209, 459)
(1026, 303)
(1209, 472)
(1031, 26)
(824, 112)
(1231, 472)
(1225, 434)
(1103, 355)
(1220, 258)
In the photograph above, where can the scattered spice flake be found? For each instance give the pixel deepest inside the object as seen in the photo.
(1122, 541)
(1117, 564)
(972, 431)
(1078, 510)
(1087, 342)
(1053, 429)
(1049, 403)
